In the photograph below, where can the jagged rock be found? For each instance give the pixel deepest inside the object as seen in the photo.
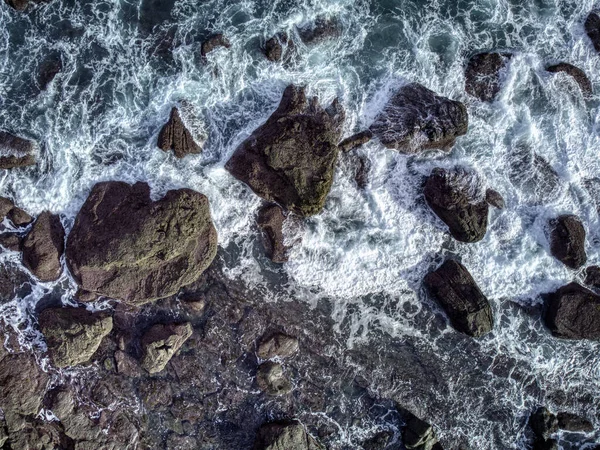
(592, 277)
(175, 136)
(123, 245)
(567, 240)
(73, 334)
(356, 140)
(455, 197)
(49, 68)
(272, 220)
(573, 312)
(16, 151)
(213, 42)
(482, 75)
(495, 199)
(285, 435)
(419, 435)
(592, 28)
(272, 380)
(320, 30)
(278, 345)
(10, 241)
(578, 75)
(17, 216)
(291, 158)
(161, 342)
(417, 119)
(276, 46)
(43, 247)
(455, 289)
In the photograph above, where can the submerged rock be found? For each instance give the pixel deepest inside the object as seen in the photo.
(543, 423)
(73, 334)
(567, 240)
(534, 175)
(482, 75)
(455, 289)
(271, 221)
(574, 423)
(286, 435)
(356, 140)
(43, 247)
(161, 342)
(592, 277)
(573, 312)
(419, 435)
(577, 74)
(454, 197)
(123, 245)
(592, 28)
(272, 380)
(495, 199)
(17, 216)
(278, 46)
(16, 151)
(278, 345)
(320, 30)
(417, 119)
(213, 42)
(48, 69)
(175, 136)
(291, 158)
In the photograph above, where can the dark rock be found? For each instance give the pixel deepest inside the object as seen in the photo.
(574, 423)
(127, 365)
(534, 175)
(19, 5)
(356, 140)
(291, 158)
(17, 216)
(573, 312)
(578, 75)
(567, 240)
(278, 46)
(495, 199)
(213, 42)
(592, 28)
(418, 435)
(456, 291)
(43, 247)
(73, 334)
(285, 435)
(378, 442)
(49, 68)
(16, 151)
(278, 345)
(272, 380)
(320, 30)
(272, 220)
(175, 136)
(10, 241)
(361, 174)
(543, 423)
(14, 282)
(123, 245)
(161, 342)
(545, 444)
(592, 277)
(417, 119)
(482, 75)
(455, 198)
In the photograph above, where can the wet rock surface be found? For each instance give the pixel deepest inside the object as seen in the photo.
(419, 435)
(278, 345)
(531, 173)
(291, 158)
(495, 199)
(279, 47)
(482, 75)
(272, 380)
(322, 29)
(16, 151)
(567, 240)
(17, 216)
(176, 137)
(356, 140)
(592, 28)
(161, 342)
(214, 42)
(272, 221)
(417, 119)
(576, 73)
(285, 435)
(43, 247)
(573, 312)
(123, 245)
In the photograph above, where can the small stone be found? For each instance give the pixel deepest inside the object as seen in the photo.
(495, 199)
(160, 344)
(272, 380)
(278, 345)
(213, 42)
(356, 140)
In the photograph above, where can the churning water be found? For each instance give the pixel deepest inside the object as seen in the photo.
(368, 251)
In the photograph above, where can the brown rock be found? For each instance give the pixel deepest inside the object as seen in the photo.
(160, 344)
(127, 365)
(567, 240)
(272, 380)
(213, 42)
(356, 140)
(16, 151)
(43, 247)
(482, 75)
(17, 216)
(277, 345)
(577, 74)
(271, 219)
(175, 136)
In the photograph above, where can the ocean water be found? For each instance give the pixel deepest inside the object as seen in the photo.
(368, 251)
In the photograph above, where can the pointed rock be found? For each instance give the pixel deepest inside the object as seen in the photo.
(175, 136)
(161, 342)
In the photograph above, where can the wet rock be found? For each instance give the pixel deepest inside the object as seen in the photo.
(291, 158)
(567, 240)
(592, 28)
(17, 216)
(543, 423)
(592, 277)
(455, 197)
(127, 365)
(573, 312)
(10, 241)
(285, 435)
(16, 151)
(378, 442)
(43, 247)
(161, 342)
(48, 69)
(278, 345)
(175, 136)
(482, 75)
(495, 199)
(362, 168)
(574, 423)
(419, 435)
(123, 245)
(272, 380)
(213, 42)
(416, 119)
(322, 29)
(578, 75)
(14, 282)
(73, 334)
(272, 220)
(455, 289)
(22, 387)
(356, 140)
(156, 393)
(278, 47)
(534, 175)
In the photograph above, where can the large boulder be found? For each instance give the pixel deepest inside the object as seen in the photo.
(291, 158)
(16, 151)
(123, 245)
(417, 119)
(455, 197)
(161, 342)
(576, 73)
(43, 247)
(175, 136)
(287, 435)
(573, 312)
(272, 220)
(567, 240)
(73, 334)
(482, 75)
(456, 291)
(592, 28)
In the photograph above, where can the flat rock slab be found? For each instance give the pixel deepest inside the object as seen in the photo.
(43, 247)
(567, 240)
(482, 75)
(573, 312)
(16, 151)
(291, 158)
(125, 246)
(456, 291)
(161, 342)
